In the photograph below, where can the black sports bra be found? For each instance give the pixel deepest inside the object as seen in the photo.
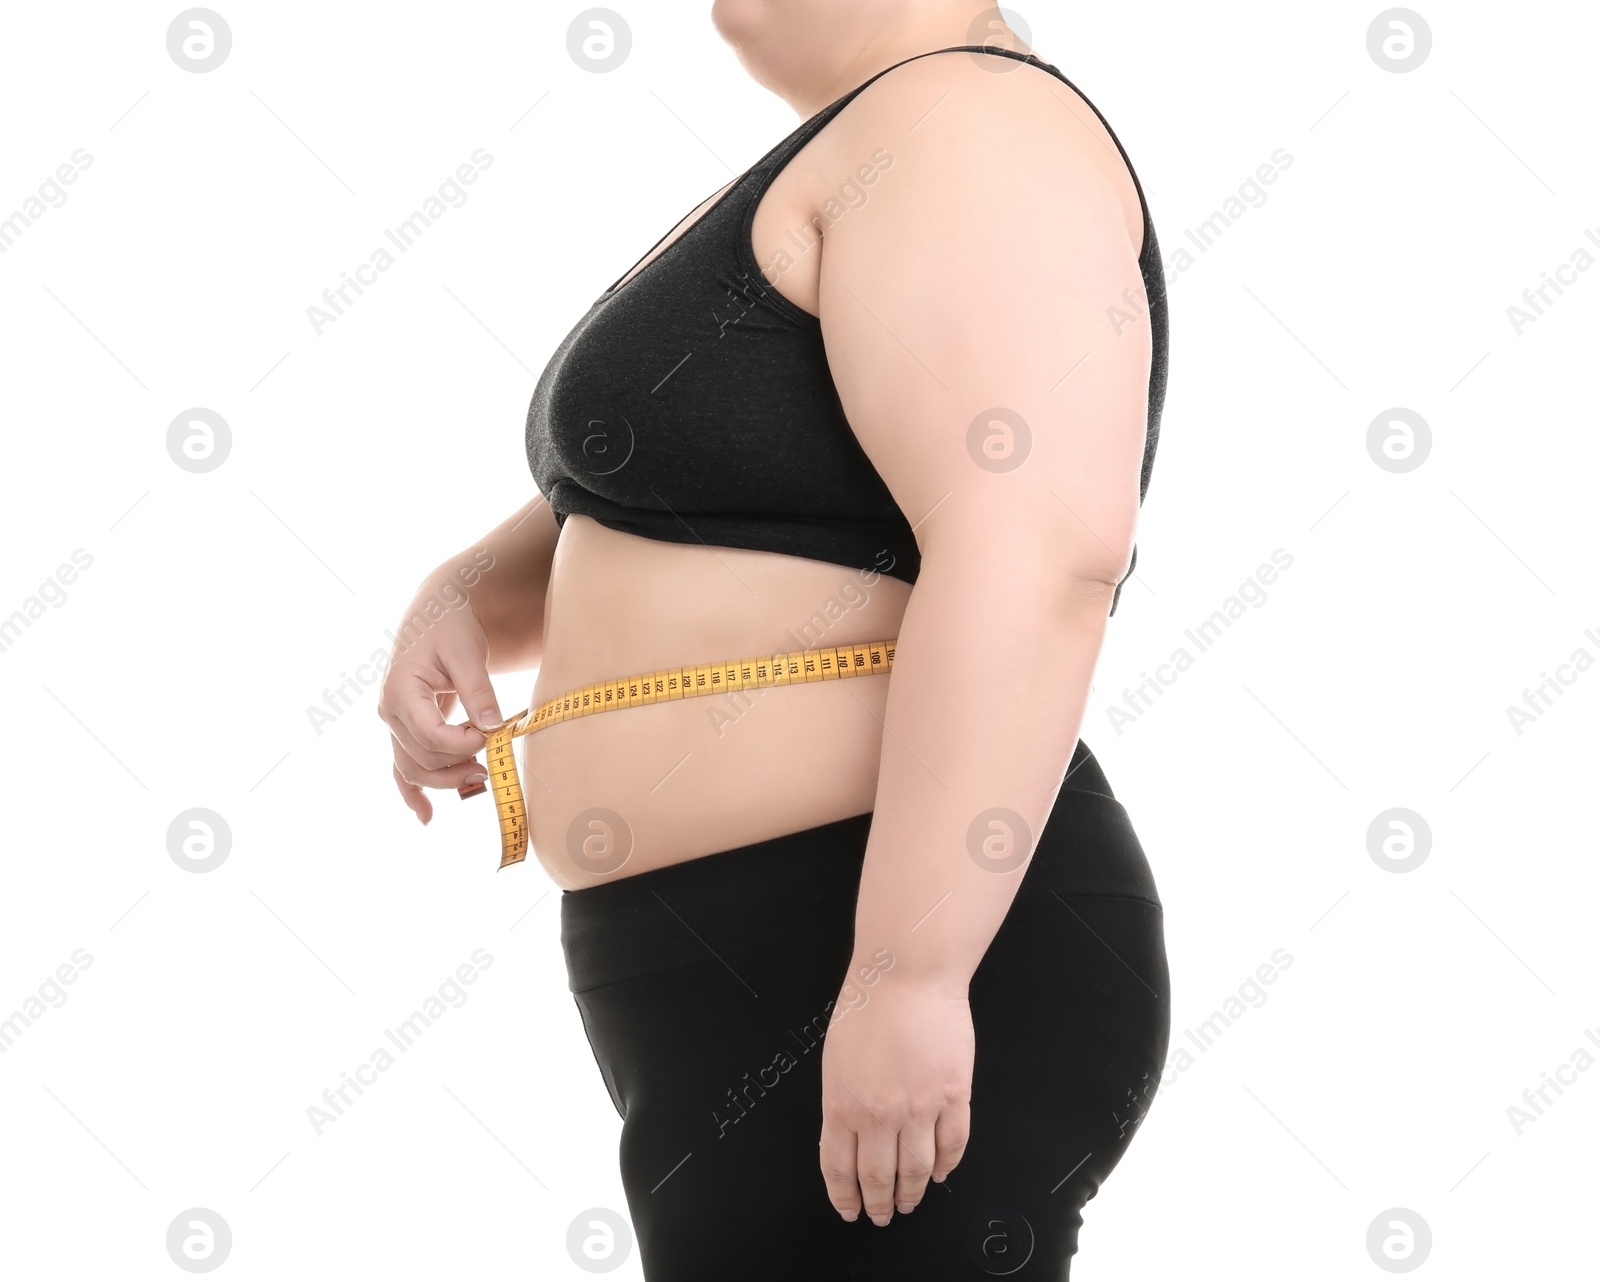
(693, 402)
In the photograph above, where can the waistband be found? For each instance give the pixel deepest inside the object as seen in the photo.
(803, 885)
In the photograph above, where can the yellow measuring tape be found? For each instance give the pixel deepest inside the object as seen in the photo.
(794, 667)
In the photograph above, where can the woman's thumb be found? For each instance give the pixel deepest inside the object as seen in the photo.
(469, 675)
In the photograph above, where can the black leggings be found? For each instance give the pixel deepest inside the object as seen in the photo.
(705, 989)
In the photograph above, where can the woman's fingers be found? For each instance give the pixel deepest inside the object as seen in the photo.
(950, 1137)
(876, 1164)
(413, 757)
(882, 1164)
(468, 669)
(837, 1156)
(427, 676)
(410, 707)
(410, 778)
(867, 1163)
(413, 796)
(455, 775)
(916, 1148)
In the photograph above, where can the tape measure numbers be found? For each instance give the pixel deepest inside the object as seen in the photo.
(793, 667)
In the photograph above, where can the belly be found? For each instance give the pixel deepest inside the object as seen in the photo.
(624, 792)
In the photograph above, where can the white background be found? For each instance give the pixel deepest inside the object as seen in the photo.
(178, 669)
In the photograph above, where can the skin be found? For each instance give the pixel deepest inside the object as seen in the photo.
(978, 273)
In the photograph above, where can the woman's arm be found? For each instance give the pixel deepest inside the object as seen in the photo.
(479, 612)
(508, 596)
(976, 316)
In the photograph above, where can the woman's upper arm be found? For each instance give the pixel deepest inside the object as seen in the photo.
(986, 323)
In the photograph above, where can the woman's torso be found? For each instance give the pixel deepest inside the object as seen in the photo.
(622, 793)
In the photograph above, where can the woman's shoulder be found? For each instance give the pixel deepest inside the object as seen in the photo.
(973, 121)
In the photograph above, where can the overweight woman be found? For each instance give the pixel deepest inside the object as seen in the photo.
(870, 960)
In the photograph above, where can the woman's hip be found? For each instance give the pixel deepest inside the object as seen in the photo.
(706, 990)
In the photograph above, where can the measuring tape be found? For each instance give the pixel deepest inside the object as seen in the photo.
(786, 668)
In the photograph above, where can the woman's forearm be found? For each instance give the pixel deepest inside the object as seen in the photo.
(504, 576)
(990, 684)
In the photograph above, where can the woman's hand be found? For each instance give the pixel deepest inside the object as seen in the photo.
(896, 1089)
(441, 657)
